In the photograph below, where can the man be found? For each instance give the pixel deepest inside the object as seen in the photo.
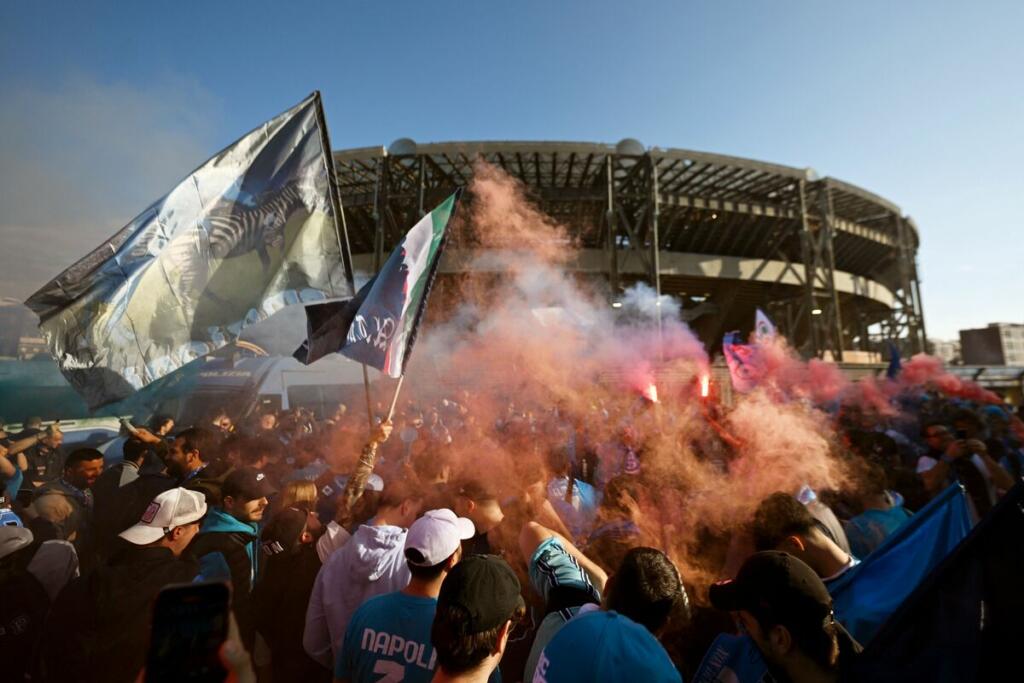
(99, 627)
(67, 502)
(646, 587)
(44, 459)
(965, 460)
(477, 502)
(371, 563)
(226, 546)
(267, 423)
(785, 608)
(190, 453)
(192, 458)
(111, 499)
(477, 607)
(282, 594)
(23, 601)
(782, 523)
(390, 634)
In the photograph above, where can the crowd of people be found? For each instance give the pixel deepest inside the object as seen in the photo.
(562, 566)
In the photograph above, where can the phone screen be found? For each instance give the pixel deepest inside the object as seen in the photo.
(190, 623)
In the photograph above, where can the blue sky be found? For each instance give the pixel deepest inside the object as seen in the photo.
(105, 106)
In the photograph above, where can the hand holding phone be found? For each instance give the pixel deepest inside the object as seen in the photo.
(190, 623)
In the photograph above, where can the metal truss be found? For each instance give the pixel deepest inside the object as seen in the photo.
(820, 247)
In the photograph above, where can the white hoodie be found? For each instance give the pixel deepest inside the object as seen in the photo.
(371, 563)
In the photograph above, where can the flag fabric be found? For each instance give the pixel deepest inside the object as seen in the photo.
(869, 593)
(378, 327)
(745, 367)
(764, 328)
(962, 624)
(250, 231)
(895, 367)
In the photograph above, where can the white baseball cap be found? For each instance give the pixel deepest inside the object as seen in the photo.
(172, 508)
(436, 535)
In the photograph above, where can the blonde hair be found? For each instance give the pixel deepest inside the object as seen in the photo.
(299, 493)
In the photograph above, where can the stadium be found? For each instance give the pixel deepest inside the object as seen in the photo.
(833, 264)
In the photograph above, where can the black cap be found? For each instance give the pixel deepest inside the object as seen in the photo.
(778, 586)
(247, 483)
(486, 588)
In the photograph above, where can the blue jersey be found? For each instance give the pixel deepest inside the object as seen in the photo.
(388, 640)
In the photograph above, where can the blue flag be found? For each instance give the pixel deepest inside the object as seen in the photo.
(866, 595)
(895, 367)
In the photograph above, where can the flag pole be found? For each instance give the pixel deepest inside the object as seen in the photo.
(341, 226)
(394, 399)
(369, 403)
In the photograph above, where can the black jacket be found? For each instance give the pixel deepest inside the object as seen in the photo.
(279, 601)
(98, 629)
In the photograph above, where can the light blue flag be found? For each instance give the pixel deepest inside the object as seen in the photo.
(866, 595)
(250, 231)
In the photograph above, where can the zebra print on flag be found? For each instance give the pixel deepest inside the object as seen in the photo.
(250, 231)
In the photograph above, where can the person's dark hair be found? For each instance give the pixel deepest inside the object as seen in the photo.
(397, 491)
(82, 455)
(430, 464)
(927, 424)
(647, 588)
(199, 439)
(558, 461)
(458, 651)
(778, 516)
(819, 642)
(260, 446)
(420, 572)
(134, 450)
(969, 416)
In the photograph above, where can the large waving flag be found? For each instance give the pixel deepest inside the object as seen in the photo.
(868, 594)
(250, 231)
(378, 327)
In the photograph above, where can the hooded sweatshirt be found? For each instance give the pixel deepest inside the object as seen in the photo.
(226, 549)
(371, 563)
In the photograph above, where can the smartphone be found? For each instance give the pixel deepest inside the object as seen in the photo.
(961, 435)
(190, 623)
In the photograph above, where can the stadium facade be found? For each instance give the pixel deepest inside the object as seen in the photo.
(833, 264)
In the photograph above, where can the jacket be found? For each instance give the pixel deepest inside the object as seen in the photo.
(371, 563)
(99, 627)
(279, 603)
(226, 549)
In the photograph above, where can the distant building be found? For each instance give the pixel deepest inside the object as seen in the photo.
(947, 350)
(997, 344)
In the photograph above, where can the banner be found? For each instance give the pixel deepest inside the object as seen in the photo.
(250, 231)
